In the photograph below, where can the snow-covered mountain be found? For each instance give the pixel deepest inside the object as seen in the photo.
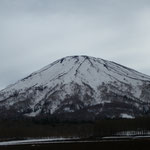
(79, 87)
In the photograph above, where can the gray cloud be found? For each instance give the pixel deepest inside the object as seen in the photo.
(34, 33)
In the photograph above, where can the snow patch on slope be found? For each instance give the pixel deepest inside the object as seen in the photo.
(127, 116)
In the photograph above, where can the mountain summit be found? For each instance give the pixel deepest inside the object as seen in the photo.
(79, 87)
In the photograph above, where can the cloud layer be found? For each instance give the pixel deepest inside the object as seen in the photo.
(34, 33)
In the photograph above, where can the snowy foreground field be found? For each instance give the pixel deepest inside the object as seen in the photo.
(69, 140)
(114, 142)
(36, 141)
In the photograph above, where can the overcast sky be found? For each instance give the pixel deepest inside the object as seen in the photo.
(34, 33)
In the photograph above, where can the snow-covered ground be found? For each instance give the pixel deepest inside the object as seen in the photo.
(123, 115)
(35, 141)
(122, 138)
(70, 140)
(133, 133)
(128, 135)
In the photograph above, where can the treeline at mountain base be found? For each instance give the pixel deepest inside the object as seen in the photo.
(33, 128)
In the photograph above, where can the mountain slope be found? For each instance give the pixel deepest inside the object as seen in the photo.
(79, 87)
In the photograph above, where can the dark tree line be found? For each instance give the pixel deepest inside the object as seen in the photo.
(46, 127)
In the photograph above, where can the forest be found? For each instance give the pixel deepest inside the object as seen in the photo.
(34, 128)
